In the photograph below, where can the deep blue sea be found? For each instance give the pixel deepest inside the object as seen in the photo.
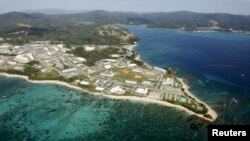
(223, 57)
(216, 65)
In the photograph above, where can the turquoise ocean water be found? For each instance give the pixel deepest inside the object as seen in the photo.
(51, 112)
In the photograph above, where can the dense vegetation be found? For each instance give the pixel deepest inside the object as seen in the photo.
(20, 28)
(96, 55)
(189, 20)
(70, 34)
(84, 28)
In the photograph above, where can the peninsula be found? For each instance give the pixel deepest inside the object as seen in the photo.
(113, 71)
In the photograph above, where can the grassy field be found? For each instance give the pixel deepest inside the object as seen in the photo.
(191, 104)
(90, 88)
(128, 74)
(52, 74)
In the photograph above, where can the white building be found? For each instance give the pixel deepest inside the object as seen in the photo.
(130, 82)
(142, 91)
(11, 63)
(132, 65)
(30, 56)
(88, 48)
(81, 59)
(117, 90)
(108, 73)
(5, 46)
(90, 71)
(76, 60)
(56, 49)
(84, 83)
(115, 55)
(80, 65)
(103, 47)
(169, 82)
(99, 89)
(110, 60)
(49, 53)
(107, 66)
(160, 70)
(21, 59)
(60, 45)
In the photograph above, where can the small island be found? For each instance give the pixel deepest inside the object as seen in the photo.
(112, 70)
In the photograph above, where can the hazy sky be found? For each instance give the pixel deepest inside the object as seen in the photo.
(225, 6)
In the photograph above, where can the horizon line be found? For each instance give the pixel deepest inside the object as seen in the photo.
(70, 11)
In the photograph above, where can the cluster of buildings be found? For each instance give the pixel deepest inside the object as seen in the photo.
(50, 57)
(14, 57)
(116, 75)
(107, 77)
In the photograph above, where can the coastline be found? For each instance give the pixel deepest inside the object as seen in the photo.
(186, 89)
(137, 57)
(131, 47)
(131, 98)
(211, 112)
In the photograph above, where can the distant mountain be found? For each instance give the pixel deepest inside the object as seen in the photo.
(52, 11)
(73, 29)
(182, 19)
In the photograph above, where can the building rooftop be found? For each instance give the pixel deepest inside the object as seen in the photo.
(117, 90)
(142, 90)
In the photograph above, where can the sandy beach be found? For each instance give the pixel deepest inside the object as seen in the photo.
(211, 112)
(186, 89)
(131, 98)
(131, 48)
(138, 57)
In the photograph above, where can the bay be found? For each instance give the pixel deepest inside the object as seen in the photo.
(214, 64)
